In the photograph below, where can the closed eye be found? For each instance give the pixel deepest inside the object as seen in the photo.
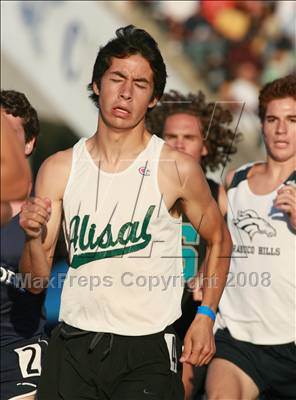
(189, 137)
(169, 136)
(270, 119)
(141, 86)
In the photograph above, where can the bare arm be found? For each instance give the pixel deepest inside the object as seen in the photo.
(205, 216)
(6, 213)
(286, 201)
(41, 219)
(222, 203)
(229, 177)
(222, 200)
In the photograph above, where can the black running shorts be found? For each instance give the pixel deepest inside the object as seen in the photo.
(103, 366)
(20, 367)
(271, 367)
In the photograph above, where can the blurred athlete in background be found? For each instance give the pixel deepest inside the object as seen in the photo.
(15, 170)
(22, 321)
(198, 128)
(256, 352)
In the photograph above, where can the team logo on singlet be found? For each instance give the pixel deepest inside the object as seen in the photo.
(130, 237)
(144, 171)
(250, 222)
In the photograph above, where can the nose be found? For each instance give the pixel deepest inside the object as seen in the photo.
(179, 144)
(281, 127)
(126, 90)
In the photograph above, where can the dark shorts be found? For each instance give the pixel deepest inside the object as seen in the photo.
(21, 367)
(271, 367)
(103, 366)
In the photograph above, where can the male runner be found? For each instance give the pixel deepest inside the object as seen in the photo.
(256, 352)
(191, 125)
(22, 336)
(119, 192)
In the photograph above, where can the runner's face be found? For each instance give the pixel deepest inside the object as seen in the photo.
(125, 92)
(279, 128)
(184, 133)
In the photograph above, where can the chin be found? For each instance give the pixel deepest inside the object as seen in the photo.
(282, 157)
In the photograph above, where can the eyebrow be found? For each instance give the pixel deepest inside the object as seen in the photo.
(176, 133)
(275, 116)
(122, 75)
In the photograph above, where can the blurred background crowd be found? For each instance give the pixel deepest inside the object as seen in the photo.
(234, 46)
(227, 48)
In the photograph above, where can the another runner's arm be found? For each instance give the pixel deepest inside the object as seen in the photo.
(41, 219)
(229, 178)
(222, 200)
(286, 201)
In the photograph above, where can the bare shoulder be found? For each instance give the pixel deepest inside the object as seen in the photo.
(175, 162)
(57, 161)
(180, 177)
(53, 174)
(258, 168)
(253, 169)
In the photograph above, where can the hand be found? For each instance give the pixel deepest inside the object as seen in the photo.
(35, 214)
(199, 342)
(286, 201)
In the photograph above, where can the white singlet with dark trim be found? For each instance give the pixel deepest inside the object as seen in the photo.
(258, 303)
(125, 274)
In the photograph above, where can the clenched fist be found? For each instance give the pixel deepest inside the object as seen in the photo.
(286, 201)
(35, 214)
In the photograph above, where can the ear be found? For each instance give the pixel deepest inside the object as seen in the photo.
(29, 146)
(204, 150)
(153, 103)
(96, 89)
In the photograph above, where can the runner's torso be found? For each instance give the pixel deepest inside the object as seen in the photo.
(125, 272)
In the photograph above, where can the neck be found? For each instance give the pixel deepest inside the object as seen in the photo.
(280, 170)
(111, 144)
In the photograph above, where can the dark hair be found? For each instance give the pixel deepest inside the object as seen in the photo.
(219, 139)
(17, 104)
(277, 89)
(129, 41)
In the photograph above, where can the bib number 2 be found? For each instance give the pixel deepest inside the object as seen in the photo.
(29, 360)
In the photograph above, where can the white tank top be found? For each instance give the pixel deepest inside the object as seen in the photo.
(258, 303)
(125, 274)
